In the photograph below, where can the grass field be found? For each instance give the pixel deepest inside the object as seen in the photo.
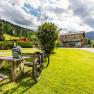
(9, 37)
(71, 71)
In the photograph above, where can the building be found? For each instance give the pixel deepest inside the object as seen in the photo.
(22, 40)
(73, 39)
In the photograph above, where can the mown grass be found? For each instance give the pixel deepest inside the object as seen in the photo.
(24, 50)
(71, 71)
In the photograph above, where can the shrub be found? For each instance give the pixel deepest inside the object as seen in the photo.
(58, 43)
(47, 35)
(25, 44)
(5, 45)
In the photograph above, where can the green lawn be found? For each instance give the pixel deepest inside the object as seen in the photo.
(9, 37)
(71, 71)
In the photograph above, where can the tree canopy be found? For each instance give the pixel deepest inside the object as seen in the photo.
(47, 35)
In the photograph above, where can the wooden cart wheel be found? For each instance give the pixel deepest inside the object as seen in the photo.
(46, 61)
(36, 69)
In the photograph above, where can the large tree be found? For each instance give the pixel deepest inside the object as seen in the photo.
(47, 35)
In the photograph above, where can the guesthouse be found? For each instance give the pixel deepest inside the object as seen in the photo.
(73, 39)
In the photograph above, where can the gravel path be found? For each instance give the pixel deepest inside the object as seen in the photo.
(88, 49)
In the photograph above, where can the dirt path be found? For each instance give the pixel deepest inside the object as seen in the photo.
(88, 49)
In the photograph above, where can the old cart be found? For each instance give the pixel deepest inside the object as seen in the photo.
(37, 61)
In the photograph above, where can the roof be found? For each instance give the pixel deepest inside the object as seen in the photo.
(71, 33)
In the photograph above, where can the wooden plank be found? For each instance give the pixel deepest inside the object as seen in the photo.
(17, 68)
(12, 59)
(28, 63)
(2, 77)
(28, 54)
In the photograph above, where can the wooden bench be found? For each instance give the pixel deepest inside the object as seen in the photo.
(17, 66)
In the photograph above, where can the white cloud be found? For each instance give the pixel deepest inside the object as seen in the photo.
(85, 10)
(72, 15)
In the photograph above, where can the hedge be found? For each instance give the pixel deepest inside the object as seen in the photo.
(25, 44)
(5, 45)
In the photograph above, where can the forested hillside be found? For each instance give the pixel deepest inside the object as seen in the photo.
(15, 30)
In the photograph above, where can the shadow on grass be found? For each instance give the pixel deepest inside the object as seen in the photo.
(21, 86)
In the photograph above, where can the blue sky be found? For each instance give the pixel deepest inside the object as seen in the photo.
(70, 15)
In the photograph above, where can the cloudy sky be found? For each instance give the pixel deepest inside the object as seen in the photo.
(70, 15)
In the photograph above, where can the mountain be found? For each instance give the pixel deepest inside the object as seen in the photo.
(90, 35)
(14, 30)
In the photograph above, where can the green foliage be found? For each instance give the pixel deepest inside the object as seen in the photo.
(4, 45)
(2, 38)
(8, 28)
(25, 44)
(58, 43)
(47, 35)
(92, 43)
(89, 41)
(9, 37)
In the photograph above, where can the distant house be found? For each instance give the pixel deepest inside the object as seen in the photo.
(22, 40)
(73, 39)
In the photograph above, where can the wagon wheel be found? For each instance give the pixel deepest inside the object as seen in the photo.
(43, 59)
(36, 69)
(46, 61)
